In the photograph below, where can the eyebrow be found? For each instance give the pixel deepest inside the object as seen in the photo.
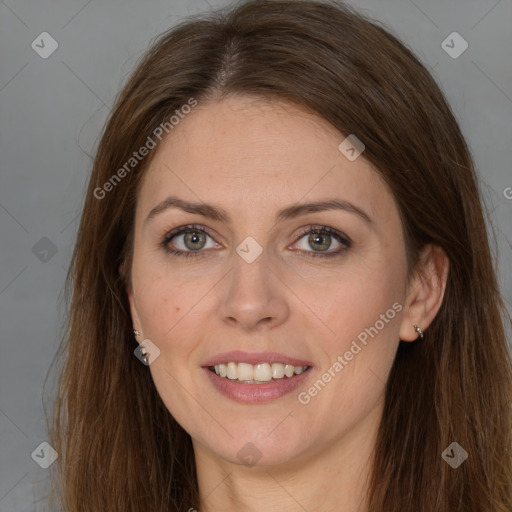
(290, 212)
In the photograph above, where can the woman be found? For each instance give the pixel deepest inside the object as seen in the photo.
(283, 294)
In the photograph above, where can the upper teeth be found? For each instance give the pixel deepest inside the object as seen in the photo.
(262, 372)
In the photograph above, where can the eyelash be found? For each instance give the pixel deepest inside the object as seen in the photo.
(343, 239)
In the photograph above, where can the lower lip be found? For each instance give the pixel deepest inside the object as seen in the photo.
(256, 392)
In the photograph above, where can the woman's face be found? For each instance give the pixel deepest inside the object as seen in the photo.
(316, 287)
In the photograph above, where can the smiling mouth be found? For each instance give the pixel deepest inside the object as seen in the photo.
(261, 373)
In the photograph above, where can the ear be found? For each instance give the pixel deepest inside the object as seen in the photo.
(425, 291)
(131, 299)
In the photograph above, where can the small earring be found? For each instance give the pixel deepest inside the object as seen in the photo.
(145, 355)
(419, 331)
(143, 351)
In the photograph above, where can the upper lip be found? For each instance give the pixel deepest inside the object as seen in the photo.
(239, 356)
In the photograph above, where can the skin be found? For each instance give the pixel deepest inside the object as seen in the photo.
(252, 157)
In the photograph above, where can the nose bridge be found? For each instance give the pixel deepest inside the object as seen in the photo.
(252, 293)
(251, 275)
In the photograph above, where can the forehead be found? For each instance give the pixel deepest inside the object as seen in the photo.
(246, 152)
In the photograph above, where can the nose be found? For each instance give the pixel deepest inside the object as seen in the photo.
(253, 296)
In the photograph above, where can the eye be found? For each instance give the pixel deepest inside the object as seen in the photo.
(190, 240)
(320, 238)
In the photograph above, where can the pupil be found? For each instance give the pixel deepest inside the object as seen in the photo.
(317, 238)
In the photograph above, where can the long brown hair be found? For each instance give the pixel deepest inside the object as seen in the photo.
(119, 447)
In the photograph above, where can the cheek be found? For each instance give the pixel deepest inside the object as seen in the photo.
(167, 293)
(356, 299)
(357, 357)
(159, 304)
(172, 313)
(362, 311)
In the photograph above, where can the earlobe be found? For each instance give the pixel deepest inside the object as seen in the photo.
(426, 293)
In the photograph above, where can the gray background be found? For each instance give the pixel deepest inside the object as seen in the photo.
(51, 114)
